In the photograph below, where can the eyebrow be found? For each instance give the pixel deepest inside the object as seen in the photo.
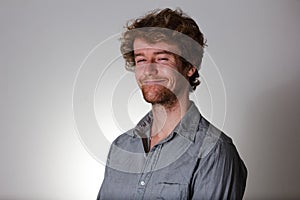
(155, 53)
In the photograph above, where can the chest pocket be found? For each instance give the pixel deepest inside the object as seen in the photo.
(172, 190)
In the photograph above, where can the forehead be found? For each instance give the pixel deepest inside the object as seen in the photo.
(141, 45)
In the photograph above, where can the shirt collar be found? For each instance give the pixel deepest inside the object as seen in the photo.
(187, 127)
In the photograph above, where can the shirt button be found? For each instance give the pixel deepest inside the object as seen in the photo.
(142, 183)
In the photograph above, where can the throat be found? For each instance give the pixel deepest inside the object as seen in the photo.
(165, 120)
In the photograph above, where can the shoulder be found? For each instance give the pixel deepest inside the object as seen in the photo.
(123, 137)
(124, 140)
(212, 140)
(125, 153)
(127, 142)
(220, 170)
(217, 150)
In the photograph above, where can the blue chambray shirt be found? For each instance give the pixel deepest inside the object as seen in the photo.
(196, 161)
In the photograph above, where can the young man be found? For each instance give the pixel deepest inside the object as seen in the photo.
(173, 152)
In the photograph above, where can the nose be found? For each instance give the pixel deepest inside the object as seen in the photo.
(150, 69)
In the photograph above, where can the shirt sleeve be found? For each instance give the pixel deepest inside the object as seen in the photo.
(220, 175)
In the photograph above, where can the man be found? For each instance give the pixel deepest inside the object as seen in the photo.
(173, 152)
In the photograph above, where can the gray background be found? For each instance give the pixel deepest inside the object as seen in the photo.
(255, 45)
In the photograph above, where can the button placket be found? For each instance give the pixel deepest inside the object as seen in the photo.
(144, 177)
(147, 171)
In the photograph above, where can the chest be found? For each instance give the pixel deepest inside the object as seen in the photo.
(160, 175)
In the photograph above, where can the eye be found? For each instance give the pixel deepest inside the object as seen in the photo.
(162, 59)
(141, 60)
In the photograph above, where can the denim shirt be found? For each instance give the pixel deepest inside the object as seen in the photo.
(196, 161)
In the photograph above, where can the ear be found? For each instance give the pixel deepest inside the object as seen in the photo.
(191, 71)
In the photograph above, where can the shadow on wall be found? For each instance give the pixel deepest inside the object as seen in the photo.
(273, 136)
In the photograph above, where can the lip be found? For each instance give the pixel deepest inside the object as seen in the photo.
(154, 81)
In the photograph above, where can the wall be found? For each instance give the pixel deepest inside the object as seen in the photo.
(254, 44)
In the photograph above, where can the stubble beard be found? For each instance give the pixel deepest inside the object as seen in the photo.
(158, 94)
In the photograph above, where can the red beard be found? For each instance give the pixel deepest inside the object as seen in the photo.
(158, 94)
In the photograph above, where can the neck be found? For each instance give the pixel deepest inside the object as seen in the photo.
(166, 117)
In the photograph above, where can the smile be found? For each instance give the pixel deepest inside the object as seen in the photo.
(154, 82)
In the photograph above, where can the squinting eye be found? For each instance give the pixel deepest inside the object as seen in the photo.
(140, 60)
(163, 59)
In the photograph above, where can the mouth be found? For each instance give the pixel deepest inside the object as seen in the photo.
(154, 82)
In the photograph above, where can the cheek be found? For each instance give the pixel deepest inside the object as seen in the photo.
(138, 76)
(170, 73)
(137, 72)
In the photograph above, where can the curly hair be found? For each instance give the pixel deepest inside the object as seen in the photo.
(170, 26)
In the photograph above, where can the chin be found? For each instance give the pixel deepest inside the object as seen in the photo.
(158, 94)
